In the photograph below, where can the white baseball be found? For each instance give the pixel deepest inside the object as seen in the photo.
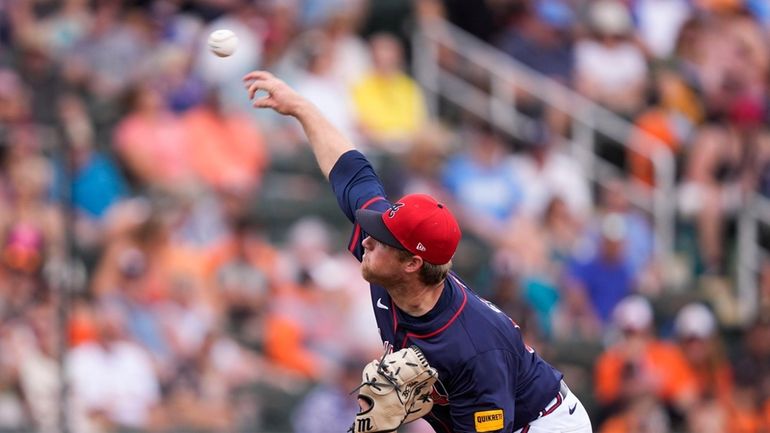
(223, 42)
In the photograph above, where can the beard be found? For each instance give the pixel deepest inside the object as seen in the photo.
(380, 277)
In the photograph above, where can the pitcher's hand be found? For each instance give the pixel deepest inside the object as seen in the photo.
(280, 97)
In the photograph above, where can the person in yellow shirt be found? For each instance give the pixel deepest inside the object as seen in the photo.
(389, 103)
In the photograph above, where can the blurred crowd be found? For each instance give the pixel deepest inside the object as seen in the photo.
(176, 256)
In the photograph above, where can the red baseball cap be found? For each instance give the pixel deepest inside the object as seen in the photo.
(417, 223)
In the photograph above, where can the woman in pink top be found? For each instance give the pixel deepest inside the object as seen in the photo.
(151, 140)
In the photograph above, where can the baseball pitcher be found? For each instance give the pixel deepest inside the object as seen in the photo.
(451, 357)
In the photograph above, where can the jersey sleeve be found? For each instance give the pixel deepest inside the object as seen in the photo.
(481, 394)
(356, 186)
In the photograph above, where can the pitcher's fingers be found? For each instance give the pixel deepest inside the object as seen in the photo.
(266, 102)
(257, 75)
(258, 85)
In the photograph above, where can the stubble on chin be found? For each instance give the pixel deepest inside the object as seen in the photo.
(368, 275)
(380, 279)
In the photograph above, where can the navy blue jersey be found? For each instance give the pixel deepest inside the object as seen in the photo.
(489, 380)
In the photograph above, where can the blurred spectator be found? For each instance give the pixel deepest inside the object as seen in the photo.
(328, 408)
(389, 103)
(307, 322)
(32, 229)
(723, 55)
(318, 83)
(32, 344)
(63, 30)
(572, 319)
(225, 148)
(425, 160)
(353, 58)
(185, 318)
(659, 23)
(184, 87)
(637, 364)
(244, 269)
(643, 414)
(97, 182)
(621, 87)
(670, 118)
(709, 416)
(696, 333)
(38, 71)
(546, 171)
(718, 6)
(481, 179)
(113, 382)
(532, 317)
(135, 303)
(281, 21)
(152, 141)
(745, 410)
(562, 230)
(315, 13)
(598, 280)
(107, 58)
(752, 361)
(203, 388)
(538, 252)
(638, 249)
(711, 188)
(14, 101)
(541, 39)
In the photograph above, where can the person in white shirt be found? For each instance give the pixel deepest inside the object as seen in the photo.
(550, 173)
(609, 67)
(112, 379)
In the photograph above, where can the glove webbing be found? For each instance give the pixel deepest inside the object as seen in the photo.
(390, 377)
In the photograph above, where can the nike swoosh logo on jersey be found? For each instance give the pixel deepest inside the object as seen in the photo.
(381, 305)
(572, 409)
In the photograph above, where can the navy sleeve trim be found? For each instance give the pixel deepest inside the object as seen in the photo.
(348, 164)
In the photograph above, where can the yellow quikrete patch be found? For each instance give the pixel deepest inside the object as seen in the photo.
(489, 420)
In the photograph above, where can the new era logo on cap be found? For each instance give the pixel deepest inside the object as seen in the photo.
(416, 223)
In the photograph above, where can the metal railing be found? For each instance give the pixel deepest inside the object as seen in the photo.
(496, 102)
(751, 253)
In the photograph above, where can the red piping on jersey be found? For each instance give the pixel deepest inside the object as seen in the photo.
(525, 429)
(447, 429)
(357, 232)
(446, 325)
(554, 407)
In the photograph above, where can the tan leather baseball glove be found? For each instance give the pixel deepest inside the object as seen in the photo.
(395, 390)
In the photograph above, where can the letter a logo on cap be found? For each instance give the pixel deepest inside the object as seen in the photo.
(420, 246)
(394, 209)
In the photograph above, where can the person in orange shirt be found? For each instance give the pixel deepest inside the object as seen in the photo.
(226, 150)
(749, 405)
(638, 363)
(695, 328)
(643, 415)
(743, 407)
(243, 270)
(668, 120)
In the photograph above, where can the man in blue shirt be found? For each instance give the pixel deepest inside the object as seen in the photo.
(489, 380)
